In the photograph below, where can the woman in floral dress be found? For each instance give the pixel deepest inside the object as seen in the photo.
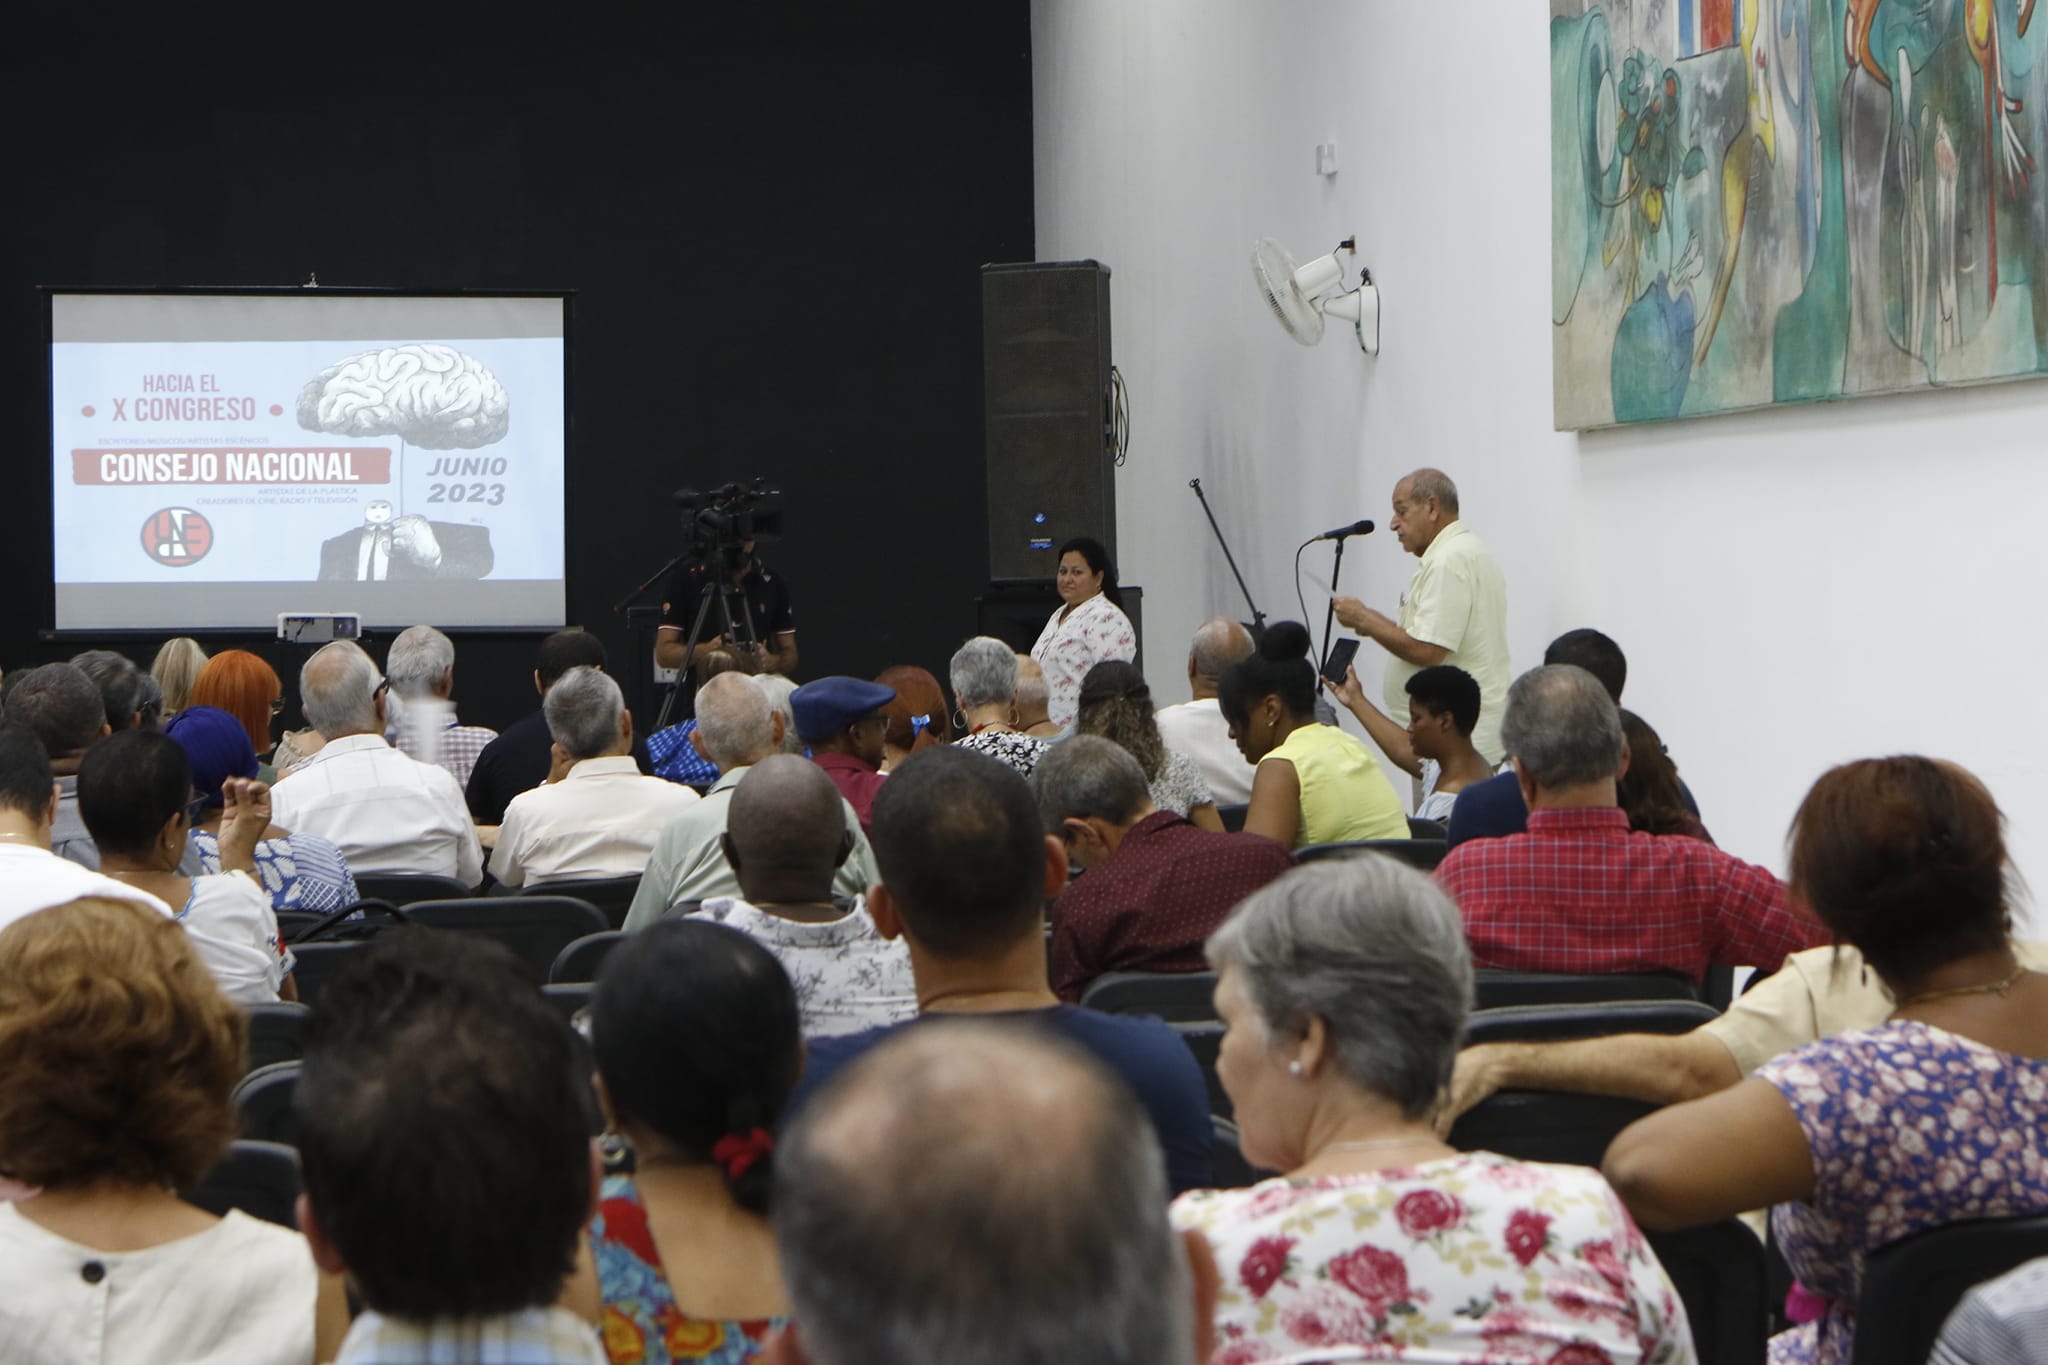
(1866, 1137)
(1087, 627)
(1344, 986)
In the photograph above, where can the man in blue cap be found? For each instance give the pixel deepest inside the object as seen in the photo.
(841, 720)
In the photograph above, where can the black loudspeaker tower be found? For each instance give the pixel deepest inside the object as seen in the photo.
(1045, 362)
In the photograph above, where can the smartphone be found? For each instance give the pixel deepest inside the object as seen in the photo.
(1341, 655)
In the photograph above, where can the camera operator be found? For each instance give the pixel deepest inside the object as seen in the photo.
(766, 595)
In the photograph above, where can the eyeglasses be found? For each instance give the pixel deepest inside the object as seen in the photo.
(383, 686)
(277, 706)
(195, 809)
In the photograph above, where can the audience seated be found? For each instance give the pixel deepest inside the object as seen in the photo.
(61, 705)
(175, 669)
(601, 815)
(421, 670)
(134, 790)
(1344, 987)
(120, 1053)
(34, 878)
(736, 728)
(124, 696)
(298, 871)
(984, 677)
(917, 714)
(1156, 886)
(978, 1193)
(675, 758)
(386, 812)
(1116, 704)
(519, 759)
(1034, 700)
(842, 722)
(1315, 783)
(965, 868)
(1196, 727)
(448, 1172)
(778, 688)
(1436, 746)
(697, 1043)
(1648, 788)
(247, 688)
(1580, 892)
(786, 840)
(1935, 1115)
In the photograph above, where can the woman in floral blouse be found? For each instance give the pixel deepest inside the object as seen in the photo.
(1344, 986)
(1866, 1137)
(1088, 627)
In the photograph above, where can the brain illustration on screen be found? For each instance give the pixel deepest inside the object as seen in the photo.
(426, 394)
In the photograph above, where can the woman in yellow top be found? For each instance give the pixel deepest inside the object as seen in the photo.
(1315, 784)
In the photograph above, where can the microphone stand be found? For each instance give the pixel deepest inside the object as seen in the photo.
(1258, 617)
(1330, 614)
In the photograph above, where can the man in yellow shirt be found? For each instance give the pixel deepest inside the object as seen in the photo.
(1454, 612)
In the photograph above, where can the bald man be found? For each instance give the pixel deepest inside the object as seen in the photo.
(786, 839)
(1196, 727)
(1034, 700)
(1454, 612)
(980, 1191)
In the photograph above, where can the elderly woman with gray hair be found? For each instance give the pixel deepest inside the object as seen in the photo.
(1344, 986)
(984, 677)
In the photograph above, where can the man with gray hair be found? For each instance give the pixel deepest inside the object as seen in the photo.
(1157, 886)
(1581, 893)
(1197, 728)
(1454, 612)
(421, 667)
(597, 815)
(736, 728)
(974, 1191)
(387, 812)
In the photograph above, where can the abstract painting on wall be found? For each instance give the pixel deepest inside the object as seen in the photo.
(1790, 201)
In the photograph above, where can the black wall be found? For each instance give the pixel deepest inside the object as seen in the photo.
(772, 226)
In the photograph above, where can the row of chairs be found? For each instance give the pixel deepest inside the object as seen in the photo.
(612, 896)
(1183, 997)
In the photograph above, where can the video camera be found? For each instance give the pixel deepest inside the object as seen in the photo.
(728, 516)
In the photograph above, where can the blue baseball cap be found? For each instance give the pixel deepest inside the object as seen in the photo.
(829, 705)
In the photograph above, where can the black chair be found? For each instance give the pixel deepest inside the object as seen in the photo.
(581, 959)
(1587, 1019)
(1420, 853)
(534, 927)
(1176, 997)
(292, 923)
(1498, 989)
(1233, 817)
(1544, 1125)
(277, 1032)
(1232, 1171)
(613, 896)
(316, 963)
(263, 1099)
(404, 888)
(1205, 1041)
(1910, 1286)
(259, 1178)
(568, 997)
(1419, 828)
(1718, 1271)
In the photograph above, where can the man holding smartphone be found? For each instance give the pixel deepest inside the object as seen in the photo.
(1454, 612)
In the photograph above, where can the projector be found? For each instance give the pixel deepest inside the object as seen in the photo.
(318, 627)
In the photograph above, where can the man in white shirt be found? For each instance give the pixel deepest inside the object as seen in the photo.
(785, 840)
(1454, 612)
(386, 812)
(33, 878)
(600, 816)
(421, 667)
(1197, 728)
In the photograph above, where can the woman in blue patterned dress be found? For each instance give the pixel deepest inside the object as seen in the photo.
(1866, 1137)
(300, 871)
(695, 1031)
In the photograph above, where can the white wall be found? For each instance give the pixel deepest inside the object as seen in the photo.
(1793, 587)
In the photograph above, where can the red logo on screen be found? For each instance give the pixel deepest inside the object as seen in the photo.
(177, 536)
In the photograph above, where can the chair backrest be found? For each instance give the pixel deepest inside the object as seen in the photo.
(534, 927)
(263, 1099)
(1543, 1125)
(316, 963)
(613, 896)
(1205, 1041)
(1233, 816)
(1718, 1271)
(580, 960)
(1419, 828)
(1176, 997)
(403, 888)
(568, 997)
(259, 1178)
(1421, 853)
(277, 1032)
(292, 923)
(1233, 1172)
(1497, 989)
(1910, 1286)
(1589, 1019)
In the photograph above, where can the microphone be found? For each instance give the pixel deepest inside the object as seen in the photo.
(1356, 528)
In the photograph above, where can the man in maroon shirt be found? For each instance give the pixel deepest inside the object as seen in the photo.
(1580, 892)
(1156, 886)
(841, 720)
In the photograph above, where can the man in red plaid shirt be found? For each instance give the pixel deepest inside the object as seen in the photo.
(1580, 892)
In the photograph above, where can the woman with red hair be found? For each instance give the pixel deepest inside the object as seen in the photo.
(245, 687)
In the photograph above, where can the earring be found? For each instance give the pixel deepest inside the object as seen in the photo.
(1294, 1068)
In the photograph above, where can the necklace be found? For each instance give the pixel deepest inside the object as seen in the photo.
(1371, 1144)
(1999, 987)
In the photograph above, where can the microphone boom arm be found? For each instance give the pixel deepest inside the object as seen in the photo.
(1258, 617)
